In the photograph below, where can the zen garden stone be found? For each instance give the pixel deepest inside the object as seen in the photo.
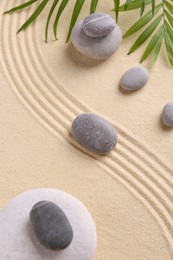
(94, 133)
(51, 226)
(98, 25)
(134, 78)
(167, 114)
(97, 36)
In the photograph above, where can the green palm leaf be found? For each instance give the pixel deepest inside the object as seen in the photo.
(34, 15)
(60, 11)
(146, 34)
(49, 17)
(141, 22)
(169, 47)
(169, 17)
(93, 6)
(169, 30)
(156, 49)
(168, 37)
(127, 4)
(116, 5)
(169, 6)
(19, 7)
(152, 43)
(142, 7)
(153, 6)
(134, 4)
(75, 14)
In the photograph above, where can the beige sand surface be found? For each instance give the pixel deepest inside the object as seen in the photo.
(129, 193)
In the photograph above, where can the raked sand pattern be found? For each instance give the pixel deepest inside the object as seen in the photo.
(132, 163)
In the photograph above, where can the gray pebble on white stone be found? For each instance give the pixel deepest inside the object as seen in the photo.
(50, 225)
(96, 48)
(167, 114)
(94, 133)
(98, 24)
(17, 238)
(134, 78)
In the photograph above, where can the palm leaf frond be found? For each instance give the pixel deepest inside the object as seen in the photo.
(60, 11)
(132, 5)
(165, 31)
(156, 49)
(49, 17)
(34, 15)
(20, 7)
(169, 30)
(152, 43)
(116, 8)
(141, 22)
(127, 4)
(77, 8)
(153, 6)
(145, 34)
(168, 6)
(93, 6)
(169, 46)
(142, 7)
(168, 38)
(169, 17)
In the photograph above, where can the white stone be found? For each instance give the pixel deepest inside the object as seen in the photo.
(96, 48)
(18, 242)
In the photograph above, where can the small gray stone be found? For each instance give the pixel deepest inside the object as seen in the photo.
(96, 48)
(98, 24)
(167, 114)
(134, 78)
(50, 225)
(94, 133)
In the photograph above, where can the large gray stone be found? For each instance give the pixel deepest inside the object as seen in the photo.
(51, 226)
(167, 114)
(96, 48)
(94, 133)
(98, 24)
(134, 78)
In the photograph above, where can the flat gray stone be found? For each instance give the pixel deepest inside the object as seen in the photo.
(50, 225)
(94, 133)
(98, 24)
(167, 114)
(17, 238)
(96, 48)
(134, 78)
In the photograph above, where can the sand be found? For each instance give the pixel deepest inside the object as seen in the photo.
(43, 88)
